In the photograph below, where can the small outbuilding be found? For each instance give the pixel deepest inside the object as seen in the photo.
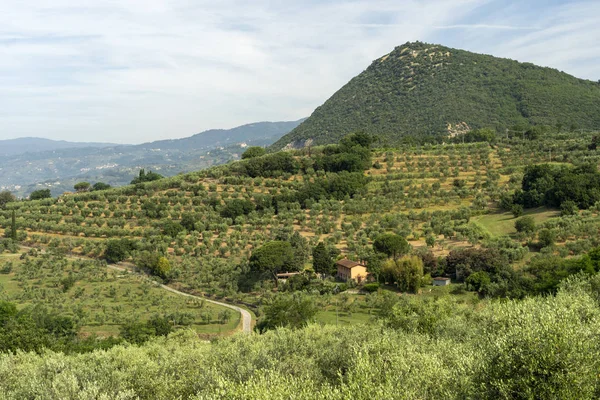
(351, 270)
(441, 281)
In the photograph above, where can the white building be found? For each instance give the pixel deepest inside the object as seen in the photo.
(440, 281)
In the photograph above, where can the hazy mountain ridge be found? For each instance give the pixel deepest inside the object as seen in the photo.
(59, 169)
(427, 92)
(221, 137)
(11, 147)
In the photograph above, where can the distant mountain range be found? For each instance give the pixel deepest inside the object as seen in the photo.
(11, 147)
(61, 164)
(223, 137)
(425, 92)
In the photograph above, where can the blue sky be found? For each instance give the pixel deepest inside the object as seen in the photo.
(131, 71)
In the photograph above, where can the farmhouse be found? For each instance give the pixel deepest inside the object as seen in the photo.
(351, 270)
(440, 281)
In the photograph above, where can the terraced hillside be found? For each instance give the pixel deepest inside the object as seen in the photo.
(209, 222)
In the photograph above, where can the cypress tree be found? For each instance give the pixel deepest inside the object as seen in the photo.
(322, 260)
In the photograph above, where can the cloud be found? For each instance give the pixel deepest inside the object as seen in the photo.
(563, 36)
(134, 71)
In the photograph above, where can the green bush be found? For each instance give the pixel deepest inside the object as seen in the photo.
(370, 287)
(525, 224)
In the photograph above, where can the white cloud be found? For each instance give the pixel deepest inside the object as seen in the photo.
(133, 71)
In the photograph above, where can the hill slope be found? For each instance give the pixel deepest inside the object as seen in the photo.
(424, 90)
(11, 147)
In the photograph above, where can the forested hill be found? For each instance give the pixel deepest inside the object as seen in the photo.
(428, 91)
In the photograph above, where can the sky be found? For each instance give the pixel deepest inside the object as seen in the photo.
(133, 71)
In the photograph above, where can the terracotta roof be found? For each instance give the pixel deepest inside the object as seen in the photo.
(349, 263)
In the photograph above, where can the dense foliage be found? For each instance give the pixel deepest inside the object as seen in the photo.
(144, 176)
(560, 186)
(537, 348)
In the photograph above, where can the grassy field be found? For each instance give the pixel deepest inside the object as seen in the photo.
(333, 317)
(101, 299)
(503, 223)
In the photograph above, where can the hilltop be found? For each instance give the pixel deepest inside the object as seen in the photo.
(428, 92)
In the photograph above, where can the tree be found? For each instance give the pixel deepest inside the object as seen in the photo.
(477, 135)
(82, 186)
(568, 207)
(284, 310)
(163, 266)
(392, 245)
(160, 325)
(322, 260)
(552, 185)
(224, 316)
(236, 208)
(459, 183)
(546, 237)
(525, 224)
(146, 177)
(358, 139)
(118, 249)
(464, 262)
(478, 281)
(516, 210)
(7, 311)
(252, 152)
(407, 272)
(100, 186)
(430, 241)
(137, 332)
(301, 250)
(188, 221)
(5, 198)
(171, 228)
(273, 257)
(594, 144)
(12, 232)
(40, 194)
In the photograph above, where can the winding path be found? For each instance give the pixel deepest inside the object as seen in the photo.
(246, 317)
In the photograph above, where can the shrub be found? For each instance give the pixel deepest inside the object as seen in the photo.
(516, 210)
(371, 287)
(252, 152)
(568, 207)
(546, 238)
(525, 224)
